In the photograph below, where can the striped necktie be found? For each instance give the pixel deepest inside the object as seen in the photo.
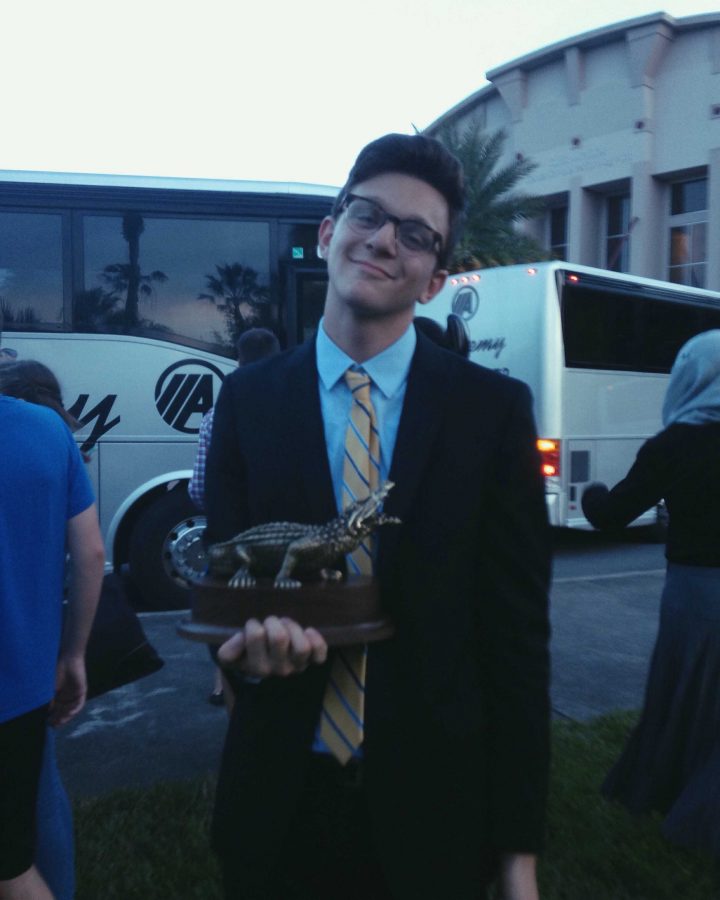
(341, 725)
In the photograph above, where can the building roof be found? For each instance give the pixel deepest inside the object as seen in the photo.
(585, 41)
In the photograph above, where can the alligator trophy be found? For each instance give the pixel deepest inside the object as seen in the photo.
(289, 550)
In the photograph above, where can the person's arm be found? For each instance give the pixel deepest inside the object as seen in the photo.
(87, 561)
(642, 488)
(275, 646)
(518, 877)
(196, 485)
(513, 635)
(226, 488)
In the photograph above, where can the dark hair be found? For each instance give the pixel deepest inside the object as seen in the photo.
(422, 157)
(430, 328)
(256, 344)
(32, 381)
(454, 338)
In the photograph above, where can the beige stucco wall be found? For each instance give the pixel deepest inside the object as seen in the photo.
(634, 104)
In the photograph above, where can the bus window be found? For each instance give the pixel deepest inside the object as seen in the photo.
(196, 281)
(617, 331)
(31, 270)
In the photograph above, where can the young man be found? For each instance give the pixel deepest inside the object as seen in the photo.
(453, 764)
(47, 506)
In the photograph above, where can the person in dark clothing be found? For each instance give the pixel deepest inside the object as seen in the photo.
(672, 760)
(444, 783)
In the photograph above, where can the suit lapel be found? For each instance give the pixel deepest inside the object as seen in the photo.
(306, 434)
(422, 416)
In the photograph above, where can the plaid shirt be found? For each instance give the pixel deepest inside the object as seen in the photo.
(196, 487)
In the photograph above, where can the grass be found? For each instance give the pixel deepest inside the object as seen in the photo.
(147, 844)
(152, 844)
(595, 849)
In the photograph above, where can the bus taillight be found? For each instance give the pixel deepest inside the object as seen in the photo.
(549, 457)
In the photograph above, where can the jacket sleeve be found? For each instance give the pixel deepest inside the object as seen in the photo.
(642, 488)
(225, 471)
(518, 561)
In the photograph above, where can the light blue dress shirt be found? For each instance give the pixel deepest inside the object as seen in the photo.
(388, 372)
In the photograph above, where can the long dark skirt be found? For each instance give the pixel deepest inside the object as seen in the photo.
(671, 763)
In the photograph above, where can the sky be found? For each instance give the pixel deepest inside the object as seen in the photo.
(273, 90)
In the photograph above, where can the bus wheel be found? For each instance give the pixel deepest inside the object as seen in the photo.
(166, 549)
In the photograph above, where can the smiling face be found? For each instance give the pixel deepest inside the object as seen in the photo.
(373, 276)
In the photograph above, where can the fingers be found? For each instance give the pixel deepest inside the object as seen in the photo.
(306, 645)
(319, 647)
(65, 708)
(70, 690)
(232, 650)
(257, 657)
(273, 647)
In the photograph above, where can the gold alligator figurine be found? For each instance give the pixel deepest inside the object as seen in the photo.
(291, 548)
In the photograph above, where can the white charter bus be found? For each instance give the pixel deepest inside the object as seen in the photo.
(594, 346)
(132, 290)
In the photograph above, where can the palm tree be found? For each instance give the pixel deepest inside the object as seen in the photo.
(493, 206)
(96, 310)
(24, 315)
(236, 293)
(132, 227)
(126, 278)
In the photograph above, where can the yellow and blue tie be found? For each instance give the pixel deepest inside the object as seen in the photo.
(341, 725)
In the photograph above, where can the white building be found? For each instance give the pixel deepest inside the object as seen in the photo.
(624, 125)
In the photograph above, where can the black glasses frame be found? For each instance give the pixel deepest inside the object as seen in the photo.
(398, 223)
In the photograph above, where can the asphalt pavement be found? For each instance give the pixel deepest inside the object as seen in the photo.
(163, 728)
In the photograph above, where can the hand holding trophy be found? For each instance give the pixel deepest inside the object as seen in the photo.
(290, 569)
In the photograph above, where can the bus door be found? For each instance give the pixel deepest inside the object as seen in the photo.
(306, 289)
(578, 464)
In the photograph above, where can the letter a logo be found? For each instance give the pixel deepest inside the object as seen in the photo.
(185, 392)
(465, 303)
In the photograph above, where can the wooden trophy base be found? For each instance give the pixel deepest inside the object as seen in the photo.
(344, 612)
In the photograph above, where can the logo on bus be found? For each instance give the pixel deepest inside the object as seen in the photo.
(185, 392)
(465, 303)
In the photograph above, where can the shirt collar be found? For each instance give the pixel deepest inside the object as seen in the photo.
(388, 370)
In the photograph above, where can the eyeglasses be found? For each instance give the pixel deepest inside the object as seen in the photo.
(366, 217)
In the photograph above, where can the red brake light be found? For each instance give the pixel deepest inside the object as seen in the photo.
(549, 456)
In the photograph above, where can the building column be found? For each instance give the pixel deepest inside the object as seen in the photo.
(512, 87)
(649, 235)
(713, 224)
(583, 225)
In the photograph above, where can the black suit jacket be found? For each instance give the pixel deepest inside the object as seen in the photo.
(457, 709)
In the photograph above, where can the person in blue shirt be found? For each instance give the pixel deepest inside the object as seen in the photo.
(47, 507)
